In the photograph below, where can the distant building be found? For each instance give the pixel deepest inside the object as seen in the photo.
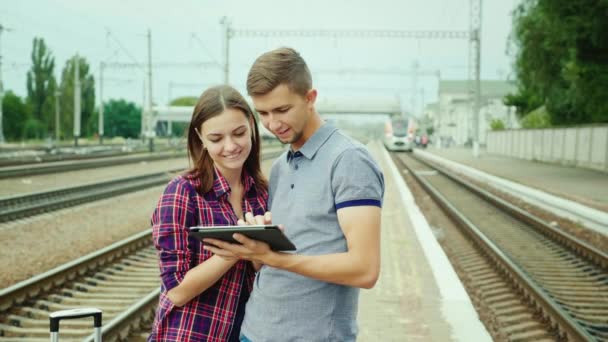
(452, 115)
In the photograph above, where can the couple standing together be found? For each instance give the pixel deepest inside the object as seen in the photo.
(326, 191)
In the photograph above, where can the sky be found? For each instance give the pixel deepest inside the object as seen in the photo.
(184, 33)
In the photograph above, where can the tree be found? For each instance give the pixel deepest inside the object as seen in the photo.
(15, 113)
(87, 102)
(121, 118)
(178, 129)
(562, 60)
(41, 84)
(184, 101)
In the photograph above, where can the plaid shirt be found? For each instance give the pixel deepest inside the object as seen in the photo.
(217, 313)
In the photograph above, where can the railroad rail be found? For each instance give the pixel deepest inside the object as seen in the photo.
(54, 156)
(540, 282)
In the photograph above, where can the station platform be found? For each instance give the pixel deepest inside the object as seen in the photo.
(576, 197)
(418, 296)
(585, 186)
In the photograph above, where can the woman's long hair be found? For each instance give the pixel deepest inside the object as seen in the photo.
(212, 103)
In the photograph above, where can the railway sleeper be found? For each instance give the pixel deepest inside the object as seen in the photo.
(80, 294)
(111, 289)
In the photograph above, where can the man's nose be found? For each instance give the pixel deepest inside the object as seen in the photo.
(274, 125)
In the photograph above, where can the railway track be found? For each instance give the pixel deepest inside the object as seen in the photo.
(16, 207)
(122, 280)
(64, 166)
(538, 282)
(20, 206)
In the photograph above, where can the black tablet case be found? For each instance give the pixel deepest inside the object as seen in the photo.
(272, 235)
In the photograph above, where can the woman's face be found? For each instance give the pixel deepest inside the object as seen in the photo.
(227, 138)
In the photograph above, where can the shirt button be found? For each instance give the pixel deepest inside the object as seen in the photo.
(296, 166)
(292, 186)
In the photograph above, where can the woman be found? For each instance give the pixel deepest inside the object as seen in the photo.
(203, 295)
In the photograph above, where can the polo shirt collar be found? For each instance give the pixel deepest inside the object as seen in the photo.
(314, 143)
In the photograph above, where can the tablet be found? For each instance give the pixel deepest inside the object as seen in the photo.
(271, 234)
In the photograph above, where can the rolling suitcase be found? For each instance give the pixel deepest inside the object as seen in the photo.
(57, 316)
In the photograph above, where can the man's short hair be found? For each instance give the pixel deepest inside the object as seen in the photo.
(280, 66)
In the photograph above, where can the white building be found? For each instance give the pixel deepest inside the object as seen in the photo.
(453, 114)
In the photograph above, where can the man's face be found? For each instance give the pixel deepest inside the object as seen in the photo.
(286, 114)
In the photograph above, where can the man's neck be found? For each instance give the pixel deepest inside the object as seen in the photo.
(311, 128)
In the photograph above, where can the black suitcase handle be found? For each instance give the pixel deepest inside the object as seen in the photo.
(56, 317)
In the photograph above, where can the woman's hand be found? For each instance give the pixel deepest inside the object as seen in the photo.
(256, 220)
(248, 249)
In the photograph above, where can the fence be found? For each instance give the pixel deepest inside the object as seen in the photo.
(585, 146)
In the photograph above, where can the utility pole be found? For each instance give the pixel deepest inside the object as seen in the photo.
(76, 99)
(437, 131)
(149, 129)
(57, 129)
(421, 102)
(2, 28)
(100, 123)
(143, 110)
(169, 104)
(414, 87)
(226, 34)
(475, 70)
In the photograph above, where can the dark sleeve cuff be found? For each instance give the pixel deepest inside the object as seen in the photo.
(359, 203)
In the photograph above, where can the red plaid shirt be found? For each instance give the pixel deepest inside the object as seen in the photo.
(217, 313)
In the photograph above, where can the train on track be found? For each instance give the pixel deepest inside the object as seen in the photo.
(399, 134)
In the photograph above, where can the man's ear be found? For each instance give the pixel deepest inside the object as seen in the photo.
(252, 123)
(311, 96)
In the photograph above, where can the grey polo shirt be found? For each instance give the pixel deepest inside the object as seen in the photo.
(331, 171)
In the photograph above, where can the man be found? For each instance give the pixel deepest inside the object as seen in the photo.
(327, 192)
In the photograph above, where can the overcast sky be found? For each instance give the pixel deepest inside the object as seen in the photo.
(115, 31)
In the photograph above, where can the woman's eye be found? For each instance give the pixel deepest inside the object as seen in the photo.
(215, 140)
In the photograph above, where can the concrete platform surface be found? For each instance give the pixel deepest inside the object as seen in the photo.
(418, 296)
(585, 186)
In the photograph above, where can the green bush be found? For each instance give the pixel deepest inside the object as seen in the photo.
(497, 125)
(538, 118)
(34, 129)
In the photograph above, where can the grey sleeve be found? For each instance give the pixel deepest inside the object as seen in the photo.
(357, 179)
